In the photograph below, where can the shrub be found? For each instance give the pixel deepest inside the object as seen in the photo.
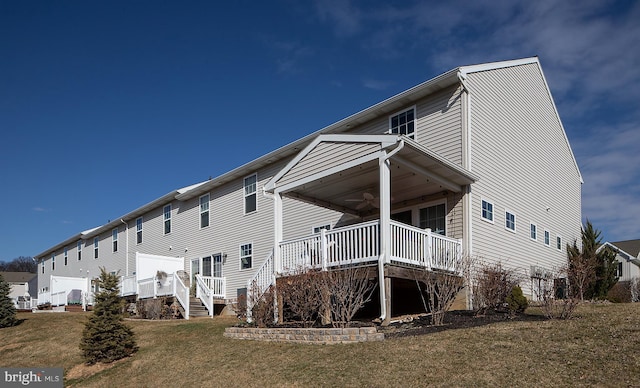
(302, 296)
(7, 308)
(492, 285)
(105, 337)
(620, 293)
(635, 289)
(516, 301)
(343, 292)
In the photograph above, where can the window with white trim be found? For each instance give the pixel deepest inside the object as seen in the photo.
(167, 218)
(66, 256)
(487, 211)
(250, 196)
(246, 256)
(53, 262)
(216, 271)
(204, 210)
(403, 123)
(43, 267)
(96, 240)
(79, 250)
(510, 221)
(139, 230)
(114, 240)
(547, 238)
(533, 231)
(619, 270)
(559, 243)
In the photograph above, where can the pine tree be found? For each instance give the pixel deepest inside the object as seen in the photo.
(7, 309)
(105, 337)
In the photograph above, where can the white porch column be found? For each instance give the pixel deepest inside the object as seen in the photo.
(277, 231)
(385, 236)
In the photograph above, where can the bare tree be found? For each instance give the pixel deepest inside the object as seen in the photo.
(20, 264)
(554, 308)
(635, 289)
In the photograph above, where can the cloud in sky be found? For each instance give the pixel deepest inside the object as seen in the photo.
(588, 50)
(39, 209)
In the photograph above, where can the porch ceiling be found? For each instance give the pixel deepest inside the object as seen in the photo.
(416, 173)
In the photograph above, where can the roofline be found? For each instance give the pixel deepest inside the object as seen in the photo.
(388, 105)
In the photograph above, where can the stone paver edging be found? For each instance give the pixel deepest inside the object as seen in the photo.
(310, 336)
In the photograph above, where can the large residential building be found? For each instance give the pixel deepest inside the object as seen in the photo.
(474, 162)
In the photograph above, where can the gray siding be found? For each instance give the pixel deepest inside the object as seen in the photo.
(519, 151)
(316, 160)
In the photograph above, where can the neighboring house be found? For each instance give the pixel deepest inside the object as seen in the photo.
(24, 288)
(472, 162)
(627, 257)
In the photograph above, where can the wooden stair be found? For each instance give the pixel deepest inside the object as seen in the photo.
(196, 308)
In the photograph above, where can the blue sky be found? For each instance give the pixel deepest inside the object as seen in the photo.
(105, 106)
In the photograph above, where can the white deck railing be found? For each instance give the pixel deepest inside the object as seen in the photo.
(259, 283)
(341, 246)
(128, 285)
(217, 286)
(360, 243)
(59, 298)
(204, 293)
(181, 291)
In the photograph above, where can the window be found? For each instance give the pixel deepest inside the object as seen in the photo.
(559, 242)
(79, 250)
(114, 239)
(403, 123)
(42, 266)
(53, 262)
(317, 229)
(533, 228)
(66, 256)
(204, 211)
(95, 247)
(206, 266)
(433, 217)
(246, 252)
(487, 211)
(139, 230)
(167, 219)
(547, 238)
(217, 266)
(619, 270)
(250, 197)
(510, 221)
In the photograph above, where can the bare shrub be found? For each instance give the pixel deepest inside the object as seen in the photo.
(635, 289)
(344, 292)
(301, 294)
(492, 284)
(559, 308)
(239, 306)
(620, 293)
(261, 305)
(581, 272)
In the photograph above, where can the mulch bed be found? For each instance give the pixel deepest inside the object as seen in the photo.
(420, 325)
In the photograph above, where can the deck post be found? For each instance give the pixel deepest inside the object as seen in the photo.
(323, 248)
(387, 291)
(429, 249)
(277, 231)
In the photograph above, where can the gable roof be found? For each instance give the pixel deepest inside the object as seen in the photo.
(629, 250)
(18, 277)
(388, 106)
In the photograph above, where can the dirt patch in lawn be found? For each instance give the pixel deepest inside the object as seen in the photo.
(420, 325)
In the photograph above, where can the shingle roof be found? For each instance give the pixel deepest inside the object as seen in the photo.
(18, 277)
(632, 247)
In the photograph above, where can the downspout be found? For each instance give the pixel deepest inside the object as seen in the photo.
(126, 260)
(383, 246)
(467, 229)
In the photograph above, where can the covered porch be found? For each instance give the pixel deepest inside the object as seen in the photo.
(386, 186)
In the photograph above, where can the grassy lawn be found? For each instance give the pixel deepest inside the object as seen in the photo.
(599, 347)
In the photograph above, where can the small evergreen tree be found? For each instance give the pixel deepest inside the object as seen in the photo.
(591, 271)
(7, 309)
(105, 337)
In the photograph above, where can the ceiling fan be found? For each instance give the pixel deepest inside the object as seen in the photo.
(367, 200)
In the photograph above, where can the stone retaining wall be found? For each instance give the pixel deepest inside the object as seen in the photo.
(309, 336)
